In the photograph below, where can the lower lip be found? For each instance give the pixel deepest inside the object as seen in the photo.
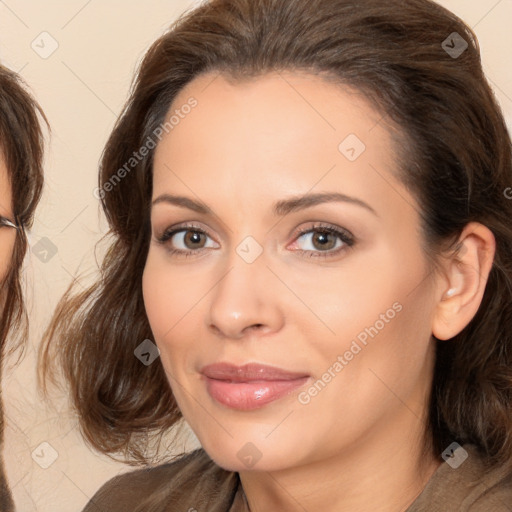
(246, 396)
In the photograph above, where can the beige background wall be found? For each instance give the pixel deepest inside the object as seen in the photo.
(78, 57)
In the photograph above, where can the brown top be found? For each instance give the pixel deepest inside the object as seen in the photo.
(6, 504)
(194, 483)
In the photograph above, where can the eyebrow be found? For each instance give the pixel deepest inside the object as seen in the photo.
(280, 208)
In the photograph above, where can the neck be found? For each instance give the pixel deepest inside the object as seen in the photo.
(371, 474)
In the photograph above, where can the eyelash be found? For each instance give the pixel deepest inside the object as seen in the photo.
(4, 221)
(345, 236)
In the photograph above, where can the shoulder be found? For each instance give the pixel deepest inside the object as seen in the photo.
(191, 482)
(492, 491)
(464, 484)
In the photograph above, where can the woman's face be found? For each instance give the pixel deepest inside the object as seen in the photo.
(7, 234)
(342, 317)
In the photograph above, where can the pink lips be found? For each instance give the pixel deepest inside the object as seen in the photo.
(250, 386)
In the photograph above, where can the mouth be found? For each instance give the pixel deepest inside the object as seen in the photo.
(250, 386)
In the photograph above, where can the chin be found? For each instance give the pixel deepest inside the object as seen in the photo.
(236, 455)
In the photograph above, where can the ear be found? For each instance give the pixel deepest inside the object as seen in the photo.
(461, 288)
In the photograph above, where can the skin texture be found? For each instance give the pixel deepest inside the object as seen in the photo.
(244, 147)
(7, 239)
(7, 235)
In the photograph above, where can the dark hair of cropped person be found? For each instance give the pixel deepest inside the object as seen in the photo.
(453, 153)
(22, 149)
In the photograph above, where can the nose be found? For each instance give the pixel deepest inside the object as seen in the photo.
(246, 301)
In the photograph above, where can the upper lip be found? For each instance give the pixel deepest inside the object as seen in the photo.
(248, 372)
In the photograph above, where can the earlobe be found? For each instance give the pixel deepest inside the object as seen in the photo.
(466, 271)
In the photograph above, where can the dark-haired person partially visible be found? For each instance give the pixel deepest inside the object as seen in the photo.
(307, 206)
(21, 183)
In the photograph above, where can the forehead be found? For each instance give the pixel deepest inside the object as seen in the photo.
(268, 115)
(272, 101)
(277, 134)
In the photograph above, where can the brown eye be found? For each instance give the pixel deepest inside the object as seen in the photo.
(186, 240)
(324, 241)
(193, 238)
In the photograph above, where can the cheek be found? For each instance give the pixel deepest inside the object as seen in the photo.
(353, 297)
(389, 354)
(161, 298)
(379, 315)
(172, 301)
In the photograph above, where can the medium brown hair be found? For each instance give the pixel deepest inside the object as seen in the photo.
(22, 147)
(455, 157)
